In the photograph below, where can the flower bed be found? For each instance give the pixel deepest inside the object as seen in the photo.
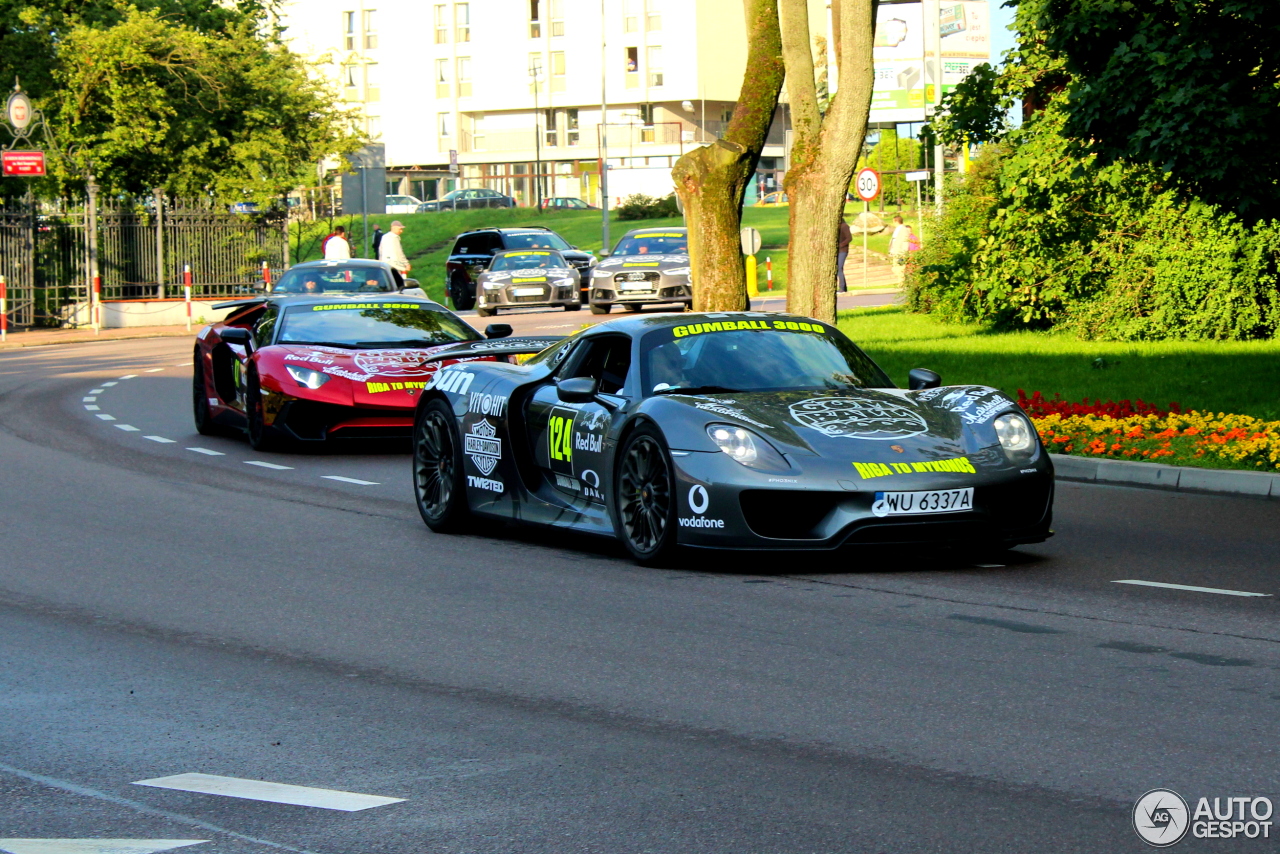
(1136, 430)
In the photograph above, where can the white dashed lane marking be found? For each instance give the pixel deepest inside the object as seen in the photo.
(349, 480)
(97, 390)
(267, 465)
(260, 790)
(94, 846)
(185, 365)
(125, 377)
(128, 428)
(91, 408)
(108, 385)
(106, 417)
(1189, 587)
(161, 439)
(153, 370)
(207, 451)
(91, 399)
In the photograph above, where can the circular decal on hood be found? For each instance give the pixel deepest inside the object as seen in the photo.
(858, 418)
(394, 363)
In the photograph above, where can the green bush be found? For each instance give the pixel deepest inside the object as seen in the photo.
(1038, 237)
(640, 206)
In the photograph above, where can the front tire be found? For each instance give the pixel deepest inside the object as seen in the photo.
(205, 425)
(439, 488)
(464, 299)
(645, 498)
(600, 309)
(261, 437)
(573, 306)
(633, 307)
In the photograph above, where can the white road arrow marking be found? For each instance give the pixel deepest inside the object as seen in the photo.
(349, 480)
(94, 846)
(260, 790)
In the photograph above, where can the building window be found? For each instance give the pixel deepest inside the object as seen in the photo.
(655, 66)
(374, 125)
(351, 76)
(372, 81)
(631, 15)
(557, 17)
(646, 114)
(442, 78)
(571, 126)
(633, 67)
(557, 71)
(551, 136)
(370, 29)
(535, 19)
(442, 24)
(446, 124)
(653, 16)
(349, 30)
(463, 12)
(464, 77)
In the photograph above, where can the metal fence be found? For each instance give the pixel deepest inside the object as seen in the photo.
(142, 252)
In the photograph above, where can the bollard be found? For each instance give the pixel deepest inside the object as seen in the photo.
(4, 309)
(768, 272)
(753, 289)
(266, 277)
(186, 290)
(96, 304)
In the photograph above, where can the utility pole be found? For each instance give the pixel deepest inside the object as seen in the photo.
(604, 137)
(535, 72)
(159, 197)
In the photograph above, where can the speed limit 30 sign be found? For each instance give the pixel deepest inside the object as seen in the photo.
(868, 184)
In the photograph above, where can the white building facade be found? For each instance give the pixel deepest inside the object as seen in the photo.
(492, 93)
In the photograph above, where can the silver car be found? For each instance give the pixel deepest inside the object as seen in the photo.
(524, 277)
(648, 266)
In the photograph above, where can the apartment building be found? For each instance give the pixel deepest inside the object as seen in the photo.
(508, 94)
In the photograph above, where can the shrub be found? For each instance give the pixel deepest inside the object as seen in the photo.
(640, 206)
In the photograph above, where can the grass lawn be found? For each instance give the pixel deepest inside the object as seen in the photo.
(1233, 377)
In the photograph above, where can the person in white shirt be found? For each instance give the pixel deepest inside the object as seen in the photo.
(898, 247)
(336, 247)
(391, 251)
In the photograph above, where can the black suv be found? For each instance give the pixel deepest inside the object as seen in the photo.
(472, 251)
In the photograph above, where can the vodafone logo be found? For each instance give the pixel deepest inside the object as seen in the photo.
(698, 499)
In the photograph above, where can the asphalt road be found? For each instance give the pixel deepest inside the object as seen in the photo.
(170, 611)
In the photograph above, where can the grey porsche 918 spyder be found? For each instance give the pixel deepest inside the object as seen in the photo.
(524, 277)
(742, 430)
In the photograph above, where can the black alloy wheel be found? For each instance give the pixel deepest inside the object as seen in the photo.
(600, 309)
(261, 437)
(438, 485)
(463, 296)
(645, 495)
(633, 306)
(205, 425)
(573, 306)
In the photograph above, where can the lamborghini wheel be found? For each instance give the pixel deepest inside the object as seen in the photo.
(205, 425)
(438, 484)
(645, 496)
(262, 437)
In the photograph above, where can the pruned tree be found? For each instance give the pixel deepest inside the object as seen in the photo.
(712, 180)
(825, 147)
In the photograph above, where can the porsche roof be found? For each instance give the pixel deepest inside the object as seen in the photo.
(334, 299)
(638, 324)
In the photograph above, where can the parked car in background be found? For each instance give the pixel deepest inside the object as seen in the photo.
(474, 250)
(773, 200)
(566, 203)
(461, 200)
(402, 204)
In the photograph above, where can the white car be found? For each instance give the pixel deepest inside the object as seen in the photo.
(402, 204)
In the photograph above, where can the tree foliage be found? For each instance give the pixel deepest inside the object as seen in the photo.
(191, 96)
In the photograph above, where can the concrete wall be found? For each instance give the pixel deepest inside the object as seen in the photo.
(153, 312)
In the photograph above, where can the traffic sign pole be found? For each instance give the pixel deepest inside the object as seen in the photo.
(868, 184)
(4, 309)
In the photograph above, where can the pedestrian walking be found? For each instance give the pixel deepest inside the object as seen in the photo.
(843, 239)
(377, 239)
(335, 246)
(391, 251)
(899, 245)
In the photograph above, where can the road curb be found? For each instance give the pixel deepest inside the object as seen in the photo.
(1252, 484)
(87, 337)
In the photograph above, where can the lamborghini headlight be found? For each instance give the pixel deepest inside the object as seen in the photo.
(745, 447)
(307, 377)
(1014, 433)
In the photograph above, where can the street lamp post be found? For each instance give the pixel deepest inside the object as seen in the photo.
(604, 139)
(535, 73)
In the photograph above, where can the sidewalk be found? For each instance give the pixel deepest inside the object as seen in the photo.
(48, 337)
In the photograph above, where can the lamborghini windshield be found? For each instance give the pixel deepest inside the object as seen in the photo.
(344, 279)
(754, 354)
(372, 324)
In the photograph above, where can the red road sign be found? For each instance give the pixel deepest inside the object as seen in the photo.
(867, 184)
(23, 164)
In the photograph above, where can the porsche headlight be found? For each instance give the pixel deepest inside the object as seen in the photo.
(601, 274)
(1014, 433)
(745, 447)
(307, 377)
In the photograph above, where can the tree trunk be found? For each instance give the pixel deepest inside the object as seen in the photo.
(712, 180)
(825, 149)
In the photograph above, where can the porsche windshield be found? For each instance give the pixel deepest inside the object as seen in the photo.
(375, 324)
(653, 243)
(754, 354)
(346, 279)
(535, 240)
(532, 259)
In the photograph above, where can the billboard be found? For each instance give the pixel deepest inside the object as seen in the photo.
(905, 58)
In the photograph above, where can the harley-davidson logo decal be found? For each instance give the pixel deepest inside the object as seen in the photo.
(483, 446)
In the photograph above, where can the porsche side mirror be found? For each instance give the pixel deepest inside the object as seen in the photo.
(497, 330)
(577, 390)
(237, 335)
(920, 378)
